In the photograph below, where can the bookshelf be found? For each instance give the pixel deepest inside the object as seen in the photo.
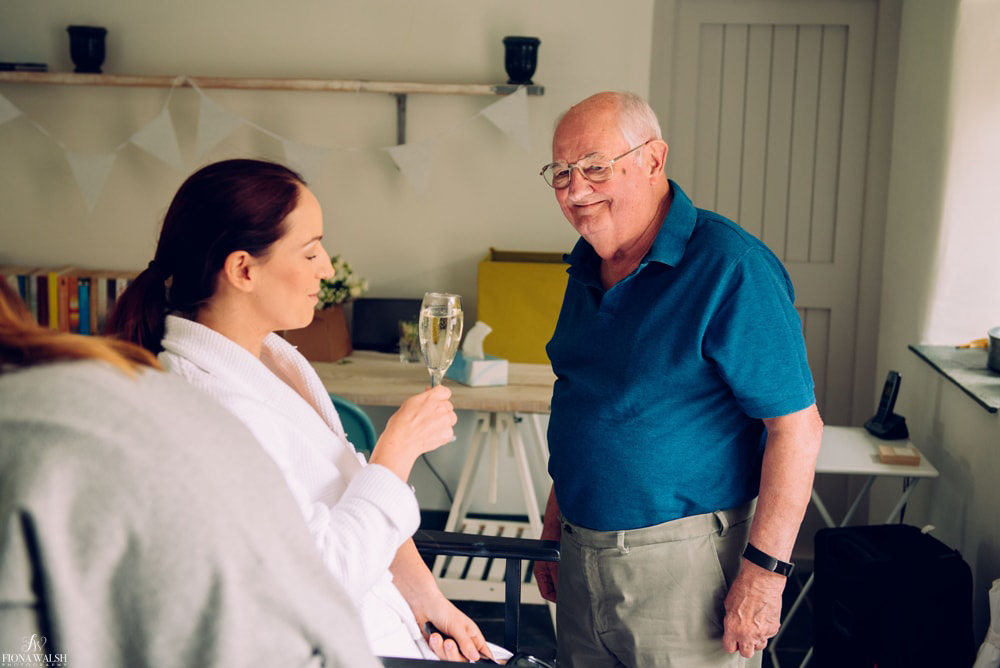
(68, 299)
(399, 89)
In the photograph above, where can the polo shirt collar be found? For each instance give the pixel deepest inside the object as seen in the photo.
(668, 247)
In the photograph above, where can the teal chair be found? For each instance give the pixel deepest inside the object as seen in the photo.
(358, 426)
(361, 433)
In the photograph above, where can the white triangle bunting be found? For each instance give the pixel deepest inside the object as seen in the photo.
(307, 159)
(414, 160)
(91, 171)
(215, 123)
(8, 111)
(510, 114)
(159, 139)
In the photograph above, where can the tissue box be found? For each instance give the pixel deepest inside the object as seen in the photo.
(476, 372)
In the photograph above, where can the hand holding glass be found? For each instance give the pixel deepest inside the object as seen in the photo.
(440, 331)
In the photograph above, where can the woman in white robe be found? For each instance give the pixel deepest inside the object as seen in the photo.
(240, 256)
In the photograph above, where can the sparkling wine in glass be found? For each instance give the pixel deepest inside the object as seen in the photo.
(440, 331)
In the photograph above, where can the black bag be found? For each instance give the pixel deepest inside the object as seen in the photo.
(890, 596)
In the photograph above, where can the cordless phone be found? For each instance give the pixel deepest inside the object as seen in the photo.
(885, 423)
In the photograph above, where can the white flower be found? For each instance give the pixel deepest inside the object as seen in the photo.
(343, 286)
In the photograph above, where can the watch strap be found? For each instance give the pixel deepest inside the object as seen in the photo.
(766, 561)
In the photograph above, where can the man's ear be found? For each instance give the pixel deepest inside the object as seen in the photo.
(236, 270)
(657, 151)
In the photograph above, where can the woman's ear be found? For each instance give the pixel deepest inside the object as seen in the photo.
(236, 270)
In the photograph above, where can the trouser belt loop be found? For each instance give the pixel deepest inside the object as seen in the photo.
(720, 515)
(622, 547)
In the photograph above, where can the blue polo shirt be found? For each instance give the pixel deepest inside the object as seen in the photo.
(662, 380)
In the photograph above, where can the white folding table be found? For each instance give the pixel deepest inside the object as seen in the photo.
(853, 451)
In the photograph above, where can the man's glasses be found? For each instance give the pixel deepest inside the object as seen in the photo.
(595, 168)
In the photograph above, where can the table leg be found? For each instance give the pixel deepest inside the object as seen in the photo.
(460, 503)
(524, 473)
(489, 428)
(495, 429)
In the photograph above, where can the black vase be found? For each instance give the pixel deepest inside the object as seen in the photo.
(520, 58)
(86, 47)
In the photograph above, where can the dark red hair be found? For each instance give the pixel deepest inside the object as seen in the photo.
(224, 207)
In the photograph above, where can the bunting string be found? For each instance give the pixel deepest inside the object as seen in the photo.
(158, 137)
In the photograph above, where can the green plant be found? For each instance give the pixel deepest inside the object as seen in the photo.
(343, 286)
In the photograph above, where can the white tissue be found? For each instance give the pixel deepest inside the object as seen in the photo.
(472, 347)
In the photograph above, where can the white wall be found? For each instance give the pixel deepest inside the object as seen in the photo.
(484, 188)
(941, 262)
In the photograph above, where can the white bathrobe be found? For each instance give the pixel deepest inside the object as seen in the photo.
(358, 514)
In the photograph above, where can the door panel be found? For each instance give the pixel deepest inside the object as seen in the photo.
(769, 127)
(770, 121)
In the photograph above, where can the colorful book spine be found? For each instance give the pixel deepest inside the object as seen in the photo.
(83, 312)
(31, 295)
(53, 300)
(42, 290)
(17, 279)
(66, 298)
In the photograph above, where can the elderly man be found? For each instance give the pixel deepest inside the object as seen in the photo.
(684, 430)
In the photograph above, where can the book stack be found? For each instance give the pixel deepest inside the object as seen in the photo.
(68, 299)
(23, 67)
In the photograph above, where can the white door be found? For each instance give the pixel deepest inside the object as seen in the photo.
(771, 122)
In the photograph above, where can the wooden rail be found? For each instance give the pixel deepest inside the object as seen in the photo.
(399, 89)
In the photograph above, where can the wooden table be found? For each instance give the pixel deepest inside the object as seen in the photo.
(380, 379)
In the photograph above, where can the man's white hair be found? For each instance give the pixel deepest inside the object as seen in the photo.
(637, 119)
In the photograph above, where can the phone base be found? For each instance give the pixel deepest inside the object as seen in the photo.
(892, 428)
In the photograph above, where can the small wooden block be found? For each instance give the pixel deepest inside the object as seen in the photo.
(896, 454)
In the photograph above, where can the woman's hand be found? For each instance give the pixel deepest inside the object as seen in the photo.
(423, 423)
(461, 641)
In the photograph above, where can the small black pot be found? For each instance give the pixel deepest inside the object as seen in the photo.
(520, 58)
(86, 47)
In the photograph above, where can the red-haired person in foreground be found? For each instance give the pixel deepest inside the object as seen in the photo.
(142, 525)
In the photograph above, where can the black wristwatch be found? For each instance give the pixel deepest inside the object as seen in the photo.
(766, 561)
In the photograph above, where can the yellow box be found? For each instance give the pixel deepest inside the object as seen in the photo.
(520, 294)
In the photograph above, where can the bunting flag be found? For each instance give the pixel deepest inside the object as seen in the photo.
(159, 140)
(510, 114)
(91, 171)
(414, 160)
(215, 123)
(8, 111)
(306, 159)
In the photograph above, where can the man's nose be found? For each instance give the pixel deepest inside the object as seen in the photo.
(578, 183)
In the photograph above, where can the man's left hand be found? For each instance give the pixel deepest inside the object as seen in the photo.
(753, 610)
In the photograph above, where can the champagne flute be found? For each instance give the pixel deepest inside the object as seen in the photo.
(440, 331)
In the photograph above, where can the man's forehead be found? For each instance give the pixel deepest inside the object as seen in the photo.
(578, 147)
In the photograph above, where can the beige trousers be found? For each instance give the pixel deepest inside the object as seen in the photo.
(650, 597)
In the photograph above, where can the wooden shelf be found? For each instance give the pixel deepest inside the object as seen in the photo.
(399, 89)
(258, 83)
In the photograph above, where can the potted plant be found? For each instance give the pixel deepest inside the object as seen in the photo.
(327, 338)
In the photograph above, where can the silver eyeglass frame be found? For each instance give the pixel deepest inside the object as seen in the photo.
(576, 165)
